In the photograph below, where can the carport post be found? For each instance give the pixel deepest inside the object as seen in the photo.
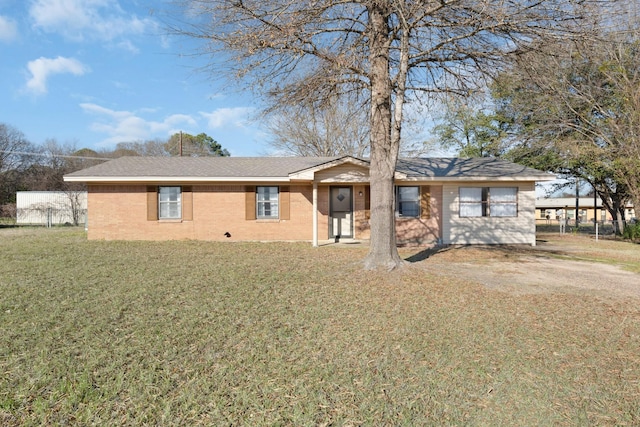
(577, 204)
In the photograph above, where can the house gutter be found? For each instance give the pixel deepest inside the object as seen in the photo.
(158, 179)
(478, 179)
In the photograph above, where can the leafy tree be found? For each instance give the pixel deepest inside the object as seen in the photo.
(576, 113)
(471, 132)
(388, 52)
(184, 144)
(178, 144)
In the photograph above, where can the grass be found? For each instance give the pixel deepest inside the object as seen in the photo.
(623, 253)
(195, 333)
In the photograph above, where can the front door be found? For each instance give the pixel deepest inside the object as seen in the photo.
(341, 213)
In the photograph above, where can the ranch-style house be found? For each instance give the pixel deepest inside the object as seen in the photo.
(315, 199)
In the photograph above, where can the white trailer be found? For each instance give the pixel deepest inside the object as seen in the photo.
(51, 207)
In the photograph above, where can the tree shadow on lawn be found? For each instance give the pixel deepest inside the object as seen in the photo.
(507, 251)
(428, 253)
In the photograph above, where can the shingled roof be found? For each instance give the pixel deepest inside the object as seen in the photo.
(199, 167)
(470, 168)
(273, 168)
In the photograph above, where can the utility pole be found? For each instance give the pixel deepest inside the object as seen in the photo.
(180, 144)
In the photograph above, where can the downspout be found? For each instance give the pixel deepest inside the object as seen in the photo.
(315, 214)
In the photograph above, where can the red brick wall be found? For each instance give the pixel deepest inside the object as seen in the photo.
(361, 227)
(119, 212)
(409, 231)
(422, 231)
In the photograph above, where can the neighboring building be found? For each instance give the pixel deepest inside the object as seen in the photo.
(553, 209)
(438, 200)
(51, 207)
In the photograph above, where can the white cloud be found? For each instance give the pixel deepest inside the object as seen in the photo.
(228, 117)
(127, 126)
(128, 46)
(87, 19)
(8, 29)
(42, 68)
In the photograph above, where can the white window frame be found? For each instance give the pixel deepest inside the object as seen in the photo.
(407, 201)
(267, 208)
(169, 202)
(477, 202)
(503, 202)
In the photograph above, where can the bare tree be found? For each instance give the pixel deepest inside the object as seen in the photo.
(15, 157)
(14, 148)
(307, 129)
(155, 147)
(75, 204)
(388, 51)
(334, 128)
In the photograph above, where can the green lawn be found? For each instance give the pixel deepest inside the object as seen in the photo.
(195, 333)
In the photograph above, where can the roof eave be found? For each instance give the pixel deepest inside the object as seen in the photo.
(329, 164)
(478, 178)
(173, 179)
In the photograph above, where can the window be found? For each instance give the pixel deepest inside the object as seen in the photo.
(473, 202)
(267, 202)
(408, 201)
(488, 201)
(503, 202)
(169, 203)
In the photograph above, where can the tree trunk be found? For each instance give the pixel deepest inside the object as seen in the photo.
(618, 217)
(383, 251)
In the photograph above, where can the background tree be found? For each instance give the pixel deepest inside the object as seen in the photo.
(471, 131)
(576, 113)
(388, 52)
(329, 129)
(41, 168)
(184, 144)
(336, 128)
(154, 148)
(179, 143)
(14, 160)
(84, 158)
(14, 148)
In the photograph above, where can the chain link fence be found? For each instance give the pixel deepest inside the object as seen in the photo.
(602, 228)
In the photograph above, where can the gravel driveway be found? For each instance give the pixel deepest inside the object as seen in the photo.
(558, 264)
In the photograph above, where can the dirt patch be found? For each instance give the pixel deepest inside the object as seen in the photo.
(556, 265)
(536, 275)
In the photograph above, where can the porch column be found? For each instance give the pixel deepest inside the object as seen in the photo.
(315, 214)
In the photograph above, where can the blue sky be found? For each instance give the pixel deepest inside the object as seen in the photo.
(97, 72)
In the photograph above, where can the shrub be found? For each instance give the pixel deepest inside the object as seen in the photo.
(632, 230)
(8, 210)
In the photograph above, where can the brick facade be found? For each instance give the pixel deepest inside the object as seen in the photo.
(120, 212)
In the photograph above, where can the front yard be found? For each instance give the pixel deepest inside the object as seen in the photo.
(195, 333)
